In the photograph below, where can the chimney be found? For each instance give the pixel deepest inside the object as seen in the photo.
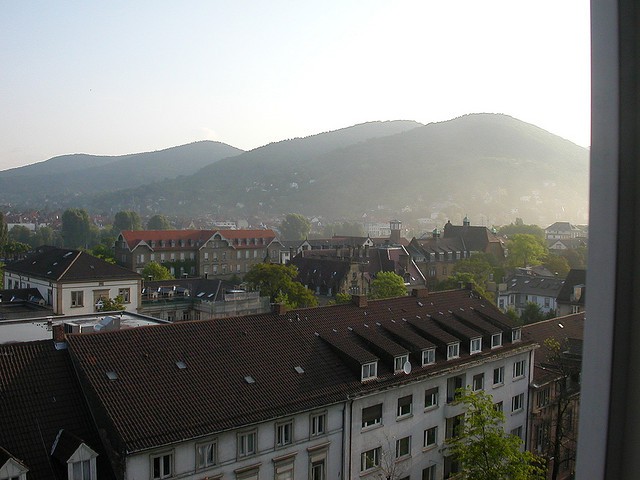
(58, 332)
(359, 301)
(419, 292)
(279, 308)
(396, 227)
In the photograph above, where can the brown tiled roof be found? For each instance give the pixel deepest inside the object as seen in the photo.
(62, 264)
(39, 396)
(154, 402)
(563, 329)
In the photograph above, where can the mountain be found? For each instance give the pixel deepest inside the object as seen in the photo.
(490, 167)
(73, 176)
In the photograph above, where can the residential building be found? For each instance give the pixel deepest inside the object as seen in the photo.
(319, 393)
(562, 231)
(555, 392)
(572, 295)
(522, 289)
(72, 281)
(207, 253)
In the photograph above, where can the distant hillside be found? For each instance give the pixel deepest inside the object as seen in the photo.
(491, 167)
(62, 178)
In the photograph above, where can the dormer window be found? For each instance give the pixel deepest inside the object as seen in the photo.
(496, 340)
(398, 363)
(428, 356)
(476, 346)
(516, 334)
(369, 371)
(453, 350)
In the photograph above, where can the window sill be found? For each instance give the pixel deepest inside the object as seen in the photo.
(497, 385)
(430, 408)
(371, 427)
(516, 412)
(428, 448)
(404, 417)
(520, 377)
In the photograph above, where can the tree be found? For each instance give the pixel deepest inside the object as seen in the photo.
(560, 434)
(103, 252)
(46, 236)
(478, 266)
(154, 271)
(557, 265)
(76, 228)
(350, 229)
(158, 222)
(111, 304)
(520, 228)
(482, 447)
(461, 280)
(342, 298)
(126, 220)
(277, 282)
(295, 227)
(20, 233)
(4, 232)
(387, 285)
(525, 250)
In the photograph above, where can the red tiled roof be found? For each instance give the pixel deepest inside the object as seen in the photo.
(154, 402)
(197, 237)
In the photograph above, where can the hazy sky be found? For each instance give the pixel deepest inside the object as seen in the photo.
(123, 77)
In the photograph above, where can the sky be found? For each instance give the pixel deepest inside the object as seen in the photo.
(118, 77)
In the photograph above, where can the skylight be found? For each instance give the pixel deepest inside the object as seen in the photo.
(111, 375)
(299, 369)
(249, 379)
(181, 365)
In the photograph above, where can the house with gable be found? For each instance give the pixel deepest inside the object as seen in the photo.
(572, 296)
(328, 392)
(73, 281)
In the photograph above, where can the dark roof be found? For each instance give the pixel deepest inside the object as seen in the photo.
(535, 285)
(63, 264)
(567, 330)
(575, 277)
(154, 402)
(40, 396)
(474, 238)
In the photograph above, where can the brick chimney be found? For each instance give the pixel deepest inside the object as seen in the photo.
(419, 292)
(58, 332)
(359, 300)
(279, 308)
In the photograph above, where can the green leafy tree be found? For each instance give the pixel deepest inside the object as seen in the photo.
(576, 257)
(532, 313)
(295, 227)
(277, 282)
(20, 233)
(482, 447)
(76, 228)
(461, 280)
(111, 304)
(557, 265)
(46, 236)
(4, 232)
(156, 272)
(126, 220)
(14, 250)
(158, 222)
(526, 250)
(387, 285)
(349, 229)
(478, 266)
(519, 227)
(342, 298)
(103, 252)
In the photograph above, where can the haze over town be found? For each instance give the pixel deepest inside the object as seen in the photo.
(130, 77)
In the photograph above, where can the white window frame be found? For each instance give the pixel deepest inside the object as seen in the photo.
(428, 356)
(403, 447)
(284, 433)
(318, 424)
(453, 351)
(376, 421)
(433, 395)
(517, 403)
(499, 377)
(77, 298)
(516, 334)
(160, 458)
(477, 382)
(518, 369)
(370, 459)
(398, 363)
(245, 440)
(125, 294)
(496, 340)
(430, 437)
(475, 346)
(400, 409)
(206, 454)
(369, 371)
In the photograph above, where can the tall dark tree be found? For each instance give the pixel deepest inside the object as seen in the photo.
(126, 220)
(76, 228)
(20, 233)
(295, 227)
(4, 232)
(158, 222)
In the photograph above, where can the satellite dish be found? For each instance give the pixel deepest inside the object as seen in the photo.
(406, 368)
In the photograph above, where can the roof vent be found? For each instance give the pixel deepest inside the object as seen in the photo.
(299, 369)
(249, 379)
(181, 365)
(111, 375)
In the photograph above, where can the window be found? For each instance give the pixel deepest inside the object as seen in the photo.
(162, 466)
(247, 444)
(403, 447)
(476, 345)
(238, 254)
(517, 402)
(575, 309)
(496, 340)
(518, 369)
(517, 432)
(80, 470)
(454, 424)
(454, 384)
(478, 382)
(516, 335)
(318, 470)
(370, 459)
(431, 398)
(428, 356)
(77, 299)
(372, 415)
(404, 406)
(206, 454)
(318, 424)
(284, 469)
(125, 294)
(498, 376)
(429, 473)
(284, 433)
(430, 437)
(398, 362)
(542, 397)
(499, 406)
(181, 255)
(206, 255)
(369, 371)
(453, 351)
